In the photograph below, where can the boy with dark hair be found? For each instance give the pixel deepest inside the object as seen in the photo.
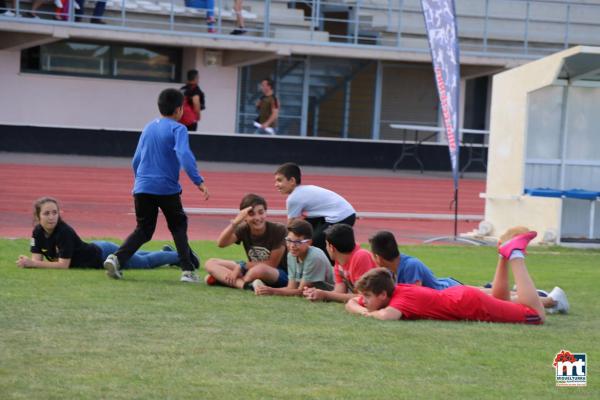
(320, 207)
(307, 266)
(407, 269)
(351, 262)
(382, 299)
(264, 243)
(163, 149)
(194, 101)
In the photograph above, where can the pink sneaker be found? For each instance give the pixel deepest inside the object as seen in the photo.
(518, 242)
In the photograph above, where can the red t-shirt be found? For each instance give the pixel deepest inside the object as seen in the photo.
(360, 261)
(458, 303)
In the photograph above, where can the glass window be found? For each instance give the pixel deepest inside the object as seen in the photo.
(104, 60)
(543, 123)
(583, 139)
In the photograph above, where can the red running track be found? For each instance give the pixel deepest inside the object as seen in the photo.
(97, 201)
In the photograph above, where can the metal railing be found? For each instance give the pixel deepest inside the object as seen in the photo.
(525, 28)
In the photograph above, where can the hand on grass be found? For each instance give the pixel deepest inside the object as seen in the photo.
(313, 294)
(202, 187)
(24, 262)
(263, 291)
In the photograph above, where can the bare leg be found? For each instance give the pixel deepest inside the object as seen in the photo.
(263, 272)
(526, 292)
(547, 302)
(500, 288)
(237, 7)
(220, 269)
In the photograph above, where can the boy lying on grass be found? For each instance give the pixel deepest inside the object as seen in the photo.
(381, 298)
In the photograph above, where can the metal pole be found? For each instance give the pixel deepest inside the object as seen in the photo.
(485, 25)
(526, 39)
(305, 95)
(563, 131)
(399, 31)
(346, 111)
(377, 101)
(567, 26)
(220, 16)
(356, 20)
(172, 16)
(122, 12)
(267, 22)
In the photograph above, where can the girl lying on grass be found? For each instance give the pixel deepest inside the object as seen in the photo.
(55, 244)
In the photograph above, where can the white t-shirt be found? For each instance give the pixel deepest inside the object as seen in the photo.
(314, 201)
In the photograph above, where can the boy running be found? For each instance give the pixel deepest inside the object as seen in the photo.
(163, 149)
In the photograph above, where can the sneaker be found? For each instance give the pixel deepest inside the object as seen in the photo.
(166, 247)
(238, 31)
(112, 267)
(257, 283)
(58, 4)
(560, 297)
(210, 280)
(8, 13)
(189, 276)
(97, 21)
(518, 242)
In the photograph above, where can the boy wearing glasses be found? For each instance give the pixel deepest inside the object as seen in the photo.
(307, 265)
(264, 243)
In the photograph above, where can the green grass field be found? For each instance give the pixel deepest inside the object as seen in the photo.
(78, 335)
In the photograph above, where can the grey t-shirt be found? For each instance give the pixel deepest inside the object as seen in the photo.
(315, 269)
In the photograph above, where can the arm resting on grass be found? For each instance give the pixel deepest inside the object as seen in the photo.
(37, 261)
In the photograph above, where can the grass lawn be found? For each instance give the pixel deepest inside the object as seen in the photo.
(78, 335)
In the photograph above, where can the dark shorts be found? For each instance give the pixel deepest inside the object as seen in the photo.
(282, 279)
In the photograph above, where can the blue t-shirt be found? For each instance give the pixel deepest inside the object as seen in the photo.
(411, 269)
(163, 149)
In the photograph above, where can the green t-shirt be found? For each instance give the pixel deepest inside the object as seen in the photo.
(315, 269)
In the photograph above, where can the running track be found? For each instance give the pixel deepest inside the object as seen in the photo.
(97, 200)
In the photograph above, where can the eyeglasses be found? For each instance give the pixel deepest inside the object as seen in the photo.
(296, 242)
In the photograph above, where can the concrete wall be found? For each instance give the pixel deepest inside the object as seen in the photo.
(67, 101)
(505, 204)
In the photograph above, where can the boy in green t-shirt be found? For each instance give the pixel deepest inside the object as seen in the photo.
(307, 265)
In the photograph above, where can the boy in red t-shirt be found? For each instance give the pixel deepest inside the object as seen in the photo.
(381, 299)
(351, 262)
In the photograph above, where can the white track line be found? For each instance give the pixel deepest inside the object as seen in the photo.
(360, 214)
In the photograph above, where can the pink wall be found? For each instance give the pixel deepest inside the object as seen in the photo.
(47, 100)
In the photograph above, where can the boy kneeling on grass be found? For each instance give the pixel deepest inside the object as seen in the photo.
(264, 243)
(307, 265)
(382, 299)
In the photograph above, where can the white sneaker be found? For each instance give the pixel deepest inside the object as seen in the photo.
(8, 13)
(76, 6)
(560, 297)
(257, 283)
(58, 4)
(189, 276)
(112, 267)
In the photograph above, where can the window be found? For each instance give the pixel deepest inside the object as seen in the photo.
(150, 63)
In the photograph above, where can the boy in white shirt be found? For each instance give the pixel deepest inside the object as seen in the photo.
(318, 206)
